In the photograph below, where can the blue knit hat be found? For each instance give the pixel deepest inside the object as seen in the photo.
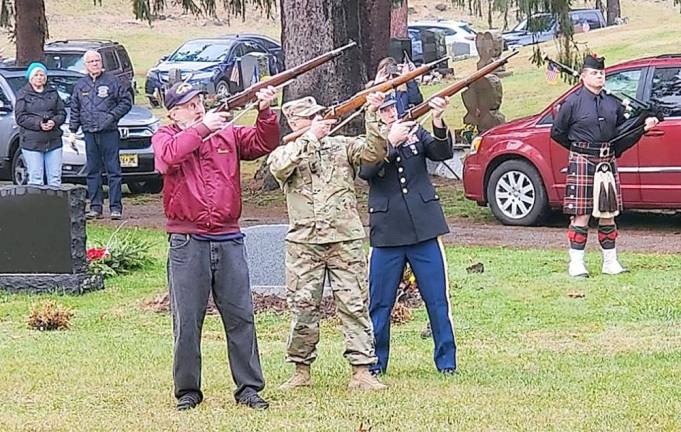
(34, 66)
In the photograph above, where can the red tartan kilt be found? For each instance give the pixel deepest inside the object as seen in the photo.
(579, 184)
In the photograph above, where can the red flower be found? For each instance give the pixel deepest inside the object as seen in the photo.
(94, 254)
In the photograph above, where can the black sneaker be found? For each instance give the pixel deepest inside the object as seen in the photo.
(188, 401)
(449, 371)
(116, 215)
(253, 401)
(93, 214)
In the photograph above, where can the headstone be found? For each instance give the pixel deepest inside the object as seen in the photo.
(266, 255)
(43, 240)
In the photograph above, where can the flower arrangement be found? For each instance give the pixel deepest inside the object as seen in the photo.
(118, 256)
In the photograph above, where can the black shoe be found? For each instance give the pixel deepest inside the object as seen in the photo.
(116, 215)
(93, 214)
(188, 401)
(253, 401)
(449, 371)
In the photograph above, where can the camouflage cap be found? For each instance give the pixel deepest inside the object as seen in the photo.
(304, 107)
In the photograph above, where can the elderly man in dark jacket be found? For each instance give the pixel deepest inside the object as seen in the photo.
(406, 220)
(99, 101)
(39, 113)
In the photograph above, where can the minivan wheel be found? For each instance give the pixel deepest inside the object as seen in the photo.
(516, 194)
(19, 170)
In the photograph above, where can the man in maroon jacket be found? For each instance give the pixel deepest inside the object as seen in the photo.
(199, 155)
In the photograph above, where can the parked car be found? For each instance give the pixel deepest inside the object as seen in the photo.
(520, 172)
(136, 129)
(544, 27)
(208, 63)
(68, 55)
(459, 36)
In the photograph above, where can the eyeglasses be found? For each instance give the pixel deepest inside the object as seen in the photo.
(93, 61)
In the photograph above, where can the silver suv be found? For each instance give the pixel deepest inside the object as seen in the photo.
(136, 129)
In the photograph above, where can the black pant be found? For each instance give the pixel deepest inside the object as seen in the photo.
(101, 149)
(195, 269)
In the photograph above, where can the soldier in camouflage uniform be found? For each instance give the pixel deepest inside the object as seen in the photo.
(317, 173)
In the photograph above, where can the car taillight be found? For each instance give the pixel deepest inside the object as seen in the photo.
(475, 145)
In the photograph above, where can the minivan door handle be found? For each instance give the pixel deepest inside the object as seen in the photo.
(654, 132)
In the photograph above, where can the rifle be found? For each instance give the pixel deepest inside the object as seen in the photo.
(359, 99)
(242, 98)
(423, 108)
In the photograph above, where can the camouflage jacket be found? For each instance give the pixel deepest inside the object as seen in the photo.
(318, 180)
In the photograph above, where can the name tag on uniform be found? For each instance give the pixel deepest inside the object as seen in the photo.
(223, 151)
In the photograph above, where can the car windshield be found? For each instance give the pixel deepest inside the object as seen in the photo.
(201, 51)
(68, 61)
(539, 23)
(63, 84)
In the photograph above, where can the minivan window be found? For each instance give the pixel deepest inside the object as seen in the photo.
(623, 83)
(201, 51)
(125, 60)
(63, 84)
(666, 91)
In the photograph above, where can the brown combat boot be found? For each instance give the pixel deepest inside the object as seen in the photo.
(362, 379)
(301, 378)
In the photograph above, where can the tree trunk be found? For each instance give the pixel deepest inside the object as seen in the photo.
(599, 5)
(31, 30)
(375, 32)
(614, 11)
(398, 20)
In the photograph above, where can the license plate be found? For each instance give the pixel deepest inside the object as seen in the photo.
(129, 161)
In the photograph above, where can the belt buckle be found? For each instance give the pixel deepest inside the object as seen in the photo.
(605, 151)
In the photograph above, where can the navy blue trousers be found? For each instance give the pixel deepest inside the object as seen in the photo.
(385, 272)
(101, 150)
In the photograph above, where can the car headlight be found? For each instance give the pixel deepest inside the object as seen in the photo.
(154, 126)
(475, 145)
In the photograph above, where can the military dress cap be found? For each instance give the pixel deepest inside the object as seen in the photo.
(594, 62)
(304, 107)
(180, 93)
(389, 100)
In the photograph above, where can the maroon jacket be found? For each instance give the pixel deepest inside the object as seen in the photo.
(202, 183)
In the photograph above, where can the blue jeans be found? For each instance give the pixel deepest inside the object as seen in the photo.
(101, 149)
(38, 164)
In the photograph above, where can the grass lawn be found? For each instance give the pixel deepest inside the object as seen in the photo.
(533, 355)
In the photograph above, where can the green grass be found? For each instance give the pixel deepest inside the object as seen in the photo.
(531, 357)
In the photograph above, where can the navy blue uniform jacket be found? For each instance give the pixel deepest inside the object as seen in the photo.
(404, 208)
(97, 105)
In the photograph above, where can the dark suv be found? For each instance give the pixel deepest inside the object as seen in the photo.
(208, 63)
(68, 54)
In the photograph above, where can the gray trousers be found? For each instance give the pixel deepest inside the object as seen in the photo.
(195, 268)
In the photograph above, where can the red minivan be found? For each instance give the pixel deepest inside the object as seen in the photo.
(520, 172)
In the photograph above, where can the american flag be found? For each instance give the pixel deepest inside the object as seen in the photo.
(552, 73)
(234, 76)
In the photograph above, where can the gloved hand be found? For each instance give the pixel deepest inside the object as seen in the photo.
(71, 138)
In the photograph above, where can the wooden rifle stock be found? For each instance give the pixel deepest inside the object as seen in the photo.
(423, 108)
(241, 99)
(359, 99)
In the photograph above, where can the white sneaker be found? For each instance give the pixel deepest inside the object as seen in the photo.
(576, 268)
(610, 263)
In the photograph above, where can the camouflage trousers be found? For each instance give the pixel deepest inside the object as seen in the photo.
(346, 265)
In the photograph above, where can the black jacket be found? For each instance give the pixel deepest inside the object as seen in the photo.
(97, 105)
(404, 208)
(33, 108)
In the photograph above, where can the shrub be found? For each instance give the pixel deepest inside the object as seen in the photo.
(49, 316)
